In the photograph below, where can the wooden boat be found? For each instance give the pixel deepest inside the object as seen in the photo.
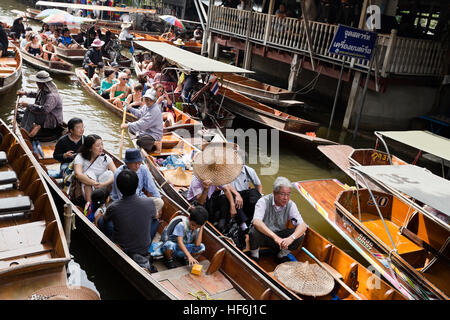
(411, 268)
(182, 120)
(31, 13)
(71, 54)
(33, 249)
(288, 125)
(11, 69)
(226, 272)
(260, 91)
(52, 67)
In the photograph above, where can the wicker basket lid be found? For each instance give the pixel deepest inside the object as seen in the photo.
(305, 278)
(178, 177)
(64, 293)
(218, 162)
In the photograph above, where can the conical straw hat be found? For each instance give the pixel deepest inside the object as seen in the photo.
(64, 293)
(178, 177)
(305, 278)
(218, 162)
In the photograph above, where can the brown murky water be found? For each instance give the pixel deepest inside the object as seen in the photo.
(294, 163)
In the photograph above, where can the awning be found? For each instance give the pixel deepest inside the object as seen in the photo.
(91, 7)
(413, 181)
(422, 140)
(188, 60)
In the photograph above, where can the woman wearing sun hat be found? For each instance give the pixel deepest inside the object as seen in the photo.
(46, 112)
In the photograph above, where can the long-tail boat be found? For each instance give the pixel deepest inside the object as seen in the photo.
(10, 68)
(260, 91)
(182, 120)
(226, 273)
(53, 67)
(401, 240)
(33, 249)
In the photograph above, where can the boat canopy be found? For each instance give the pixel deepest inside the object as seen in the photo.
(187, 60)
(92, 7)
(422, 140)
(412, 181)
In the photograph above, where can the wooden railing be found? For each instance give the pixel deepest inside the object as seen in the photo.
(395, 55)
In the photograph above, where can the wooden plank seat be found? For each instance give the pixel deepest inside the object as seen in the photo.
(8, 177)
(7, 70)
(15, 205)
(3, 158)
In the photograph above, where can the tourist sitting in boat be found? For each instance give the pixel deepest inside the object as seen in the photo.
(108, 81)
(143, 80)
(272, 213)
(34, 47)
(166, 105)
(182, 237)
(56, 34)
(26, 38)
(46, 112)
(169, 35)
(145, 61)
(3, 41)
(93, 57)
(66, 41)
(154, 67)
(115, 67)
(131, 218)
(125, 33)
(67, 146)
(45, 29)
(188, 84)
(130, 81)
(146, 185)
(134, 99)
(107, 46)
(18, 29)
(92, 167)
(93, 33)
(149, 127)
(120, 91)
(49, 52)
(97, 208)
(249, 197)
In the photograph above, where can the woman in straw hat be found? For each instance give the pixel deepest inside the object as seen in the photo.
(272, 213)
(214, 168)
(148, 129)
(46, 112)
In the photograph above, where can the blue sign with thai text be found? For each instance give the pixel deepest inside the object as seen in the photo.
(353, 42)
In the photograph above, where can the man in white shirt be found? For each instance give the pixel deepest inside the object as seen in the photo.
(125, 33)
(269, 228)
(125, 17)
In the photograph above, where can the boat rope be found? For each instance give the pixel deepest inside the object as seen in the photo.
(311, 85)
(201, 295)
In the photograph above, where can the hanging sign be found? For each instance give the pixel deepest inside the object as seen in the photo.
(353, 42)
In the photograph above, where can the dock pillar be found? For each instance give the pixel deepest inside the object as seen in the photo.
(216, 50)
(210, 46)
(351, 100)
(293, 75)
(247, 55)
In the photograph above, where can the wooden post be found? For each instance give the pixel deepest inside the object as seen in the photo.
(269, 21)
(210, 45)
(351, 100)
(293, 75)
(389, 54)
(362, 19)
(216, 50)
(248, 46)
(207, 31)
(68, 216)
(308, 33)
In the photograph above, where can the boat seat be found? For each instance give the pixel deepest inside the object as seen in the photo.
(15, 204)
(7, 69)
(3, 158)
(7, 177)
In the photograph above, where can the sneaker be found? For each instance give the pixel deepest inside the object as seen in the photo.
(170, 264)
(152, 269)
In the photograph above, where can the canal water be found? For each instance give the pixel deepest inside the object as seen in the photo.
(295, 163)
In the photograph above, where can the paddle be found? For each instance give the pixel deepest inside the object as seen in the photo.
(334, 276)
(123, 130)
(15, 114)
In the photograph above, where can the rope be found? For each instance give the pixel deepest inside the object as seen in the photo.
(311, 84)
(201, 295)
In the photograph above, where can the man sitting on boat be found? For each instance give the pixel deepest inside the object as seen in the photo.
(66, 41)
(132, 218)
(149, 127)
(93, 57)
(46, 112)
(133, 161)
(269, 225)
(125, 33)
(67, 146)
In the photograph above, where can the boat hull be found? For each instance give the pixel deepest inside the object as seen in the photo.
(12, 72)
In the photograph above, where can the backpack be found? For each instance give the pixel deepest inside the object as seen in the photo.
(168, 230)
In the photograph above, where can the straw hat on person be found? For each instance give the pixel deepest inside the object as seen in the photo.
(97, 43)
(178, 42)
(218, 162)
(178, 177)
(305, 278)
(64, 293)
(41, 76)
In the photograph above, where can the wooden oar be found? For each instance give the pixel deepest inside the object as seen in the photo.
(15, 114)
(334, 276)
(123, 131)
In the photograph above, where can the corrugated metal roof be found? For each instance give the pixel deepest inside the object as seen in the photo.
(188, 60)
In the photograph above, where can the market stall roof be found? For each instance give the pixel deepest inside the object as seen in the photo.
(187, 60)
(422, 140)
(412, 181)
(92, 7)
